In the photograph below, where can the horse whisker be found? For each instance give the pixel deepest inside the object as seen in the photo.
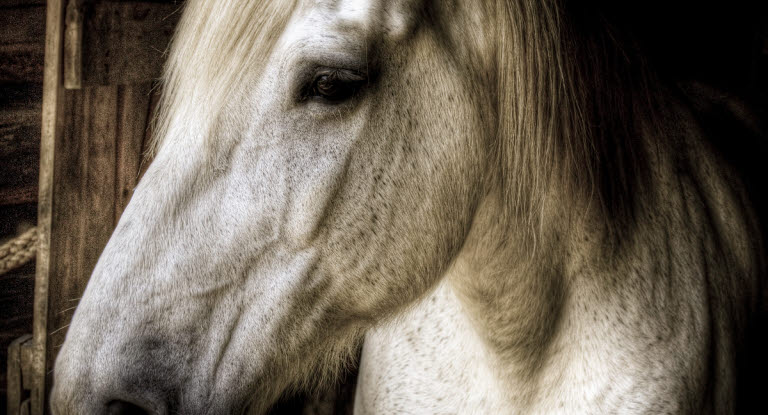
(58, 330)
(65, 310)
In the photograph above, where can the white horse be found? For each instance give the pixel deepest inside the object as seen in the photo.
(498, 197)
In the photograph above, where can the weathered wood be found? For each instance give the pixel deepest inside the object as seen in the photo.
(98, 157)
(18, 195)
(15, 379)
(91, 156)
(22, 25)
(70, 170)
(22, 41)
(101, 117)
(21, 63)
(22, 44)
(50, 132)
(19, 154)
(125, 42)
(73, 45)
(108, 42)
(135, 101)
(20, 3)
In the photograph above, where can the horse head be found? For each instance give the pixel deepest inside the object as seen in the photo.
(318, 169)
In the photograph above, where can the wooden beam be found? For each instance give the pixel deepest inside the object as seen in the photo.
(73, 45)
(51, 129)
(15, 374)
(136, 104)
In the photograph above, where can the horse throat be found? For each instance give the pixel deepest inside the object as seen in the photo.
(486, 330)
(514, 287)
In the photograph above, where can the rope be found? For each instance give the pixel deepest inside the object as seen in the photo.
(18, 251)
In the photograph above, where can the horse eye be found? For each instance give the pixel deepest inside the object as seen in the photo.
(335, 85)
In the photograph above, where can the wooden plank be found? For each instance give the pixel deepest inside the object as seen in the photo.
(50, 131)
(21, 96)
(135, 101)
(15, 381)
(66, 243)
(22, 25)
(21, 63)
(73, 45)
(101, 112)
(18, 195)
(22, 42)
(19, 154)
(86, 202)
(125, 42)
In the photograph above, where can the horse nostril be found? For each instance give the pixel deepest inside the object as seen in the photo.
(125, 408)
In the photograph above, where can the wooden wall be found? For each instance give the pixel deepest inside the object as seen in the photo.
(96, 166)
(22, 29)
(98, 148)
(93, 144)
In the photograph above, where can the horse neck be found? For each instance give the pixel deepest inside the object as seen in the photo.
(528, 292)
(555, 313)
(515, 298)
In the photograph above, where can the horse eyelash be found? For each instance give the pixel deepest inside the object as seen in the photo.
(351, 79)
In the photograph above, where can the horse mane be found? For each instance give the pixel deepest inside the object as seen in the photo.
(196, 83)
(573, 103)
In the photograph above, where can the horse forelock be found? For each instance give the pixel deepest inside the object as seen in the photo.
(216, 45)
(570, 89)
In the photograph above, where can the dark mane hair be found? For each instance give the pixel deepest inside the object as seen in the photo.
(575, 92)
(586, 89)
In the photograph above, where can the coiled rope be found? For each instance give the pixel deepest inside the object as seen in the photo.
(18, 251)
